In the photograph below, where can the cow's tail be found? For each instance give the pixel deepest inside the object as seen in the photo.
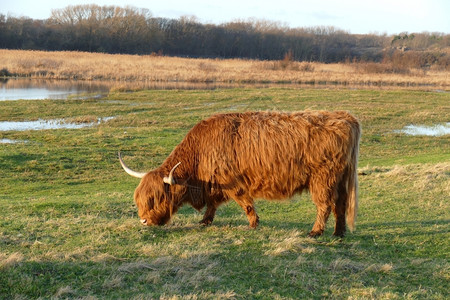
(352, 178)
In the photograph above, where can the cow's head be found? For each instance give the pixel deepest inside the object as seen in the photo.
(154, 197)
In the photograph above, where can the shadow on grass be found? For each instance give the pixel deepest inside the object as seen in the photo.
(408, 228)
(213, 275)
(220, 266)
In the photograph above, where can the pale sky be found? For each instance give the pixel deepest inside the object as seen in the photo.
(355, 16)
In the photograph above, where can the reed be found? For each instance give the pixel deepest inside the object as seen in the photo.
(148, 68)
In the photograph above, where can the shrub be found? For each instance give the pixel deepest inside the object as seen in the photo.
(5, 73)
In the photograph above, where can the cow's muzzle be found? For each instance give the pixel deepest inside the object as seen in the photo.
(144, 222)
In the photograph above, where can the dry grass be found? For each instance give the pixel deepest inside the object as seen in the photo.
(288, 242)
(9, 261)
(423, 177)
(98, 66)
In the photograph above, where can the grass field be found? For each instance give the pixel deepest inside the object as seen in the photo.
(69, 227)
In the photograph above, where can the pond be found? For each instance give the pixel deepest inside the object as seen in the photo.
(36, 89)
(39, 89)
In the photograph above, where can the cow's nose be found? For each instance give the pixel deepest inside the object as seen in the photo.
(144, 221)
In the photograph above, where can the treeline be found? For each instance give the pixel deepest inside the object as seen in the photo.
(130, 30)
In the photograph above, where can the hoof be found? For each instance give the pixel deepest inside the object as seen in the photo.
(339, 234)
(206, 222)
(315, 234)
(255, 223)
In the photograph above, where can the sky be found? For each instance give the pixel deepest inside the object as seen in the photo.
(355, 16)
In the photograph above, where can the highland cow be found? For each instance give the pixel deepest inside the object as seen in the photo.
(245, 156)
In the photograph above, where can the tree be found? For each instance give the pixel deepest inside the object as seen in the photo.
(132, 30)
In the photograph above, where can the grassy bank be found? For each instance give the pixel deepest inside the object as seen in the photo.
(98, 66)
(69, 228)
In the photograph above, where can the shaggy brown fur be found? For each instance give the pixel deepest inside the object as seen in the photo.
(271, 155)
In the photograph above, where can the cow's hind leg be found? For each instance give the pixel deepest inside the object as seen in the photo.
(323, 212)
(339, 209)
(322, 198)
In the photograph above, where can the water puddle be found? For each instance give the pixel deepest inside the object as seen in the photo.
(436, 130)
(9, 141)
(46, 124)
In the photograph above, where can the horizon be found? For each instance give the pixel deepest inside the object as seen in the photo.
(381, 17)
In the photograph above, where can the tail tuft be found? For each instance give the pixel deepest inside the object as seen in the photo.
(352, 184)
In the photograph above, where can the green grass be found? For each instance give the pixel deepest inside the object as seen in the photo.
(69, 227)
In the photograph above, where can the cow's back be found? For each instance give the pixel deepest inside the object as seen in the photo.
(270, 154)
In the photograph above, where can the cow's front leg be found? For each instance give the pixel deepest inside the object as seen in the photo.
(208, 217)
(247, 205)
(252, 216)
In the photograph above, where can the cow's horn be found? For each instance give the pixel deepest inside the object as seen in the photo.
(169, 179)
(129, 171)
